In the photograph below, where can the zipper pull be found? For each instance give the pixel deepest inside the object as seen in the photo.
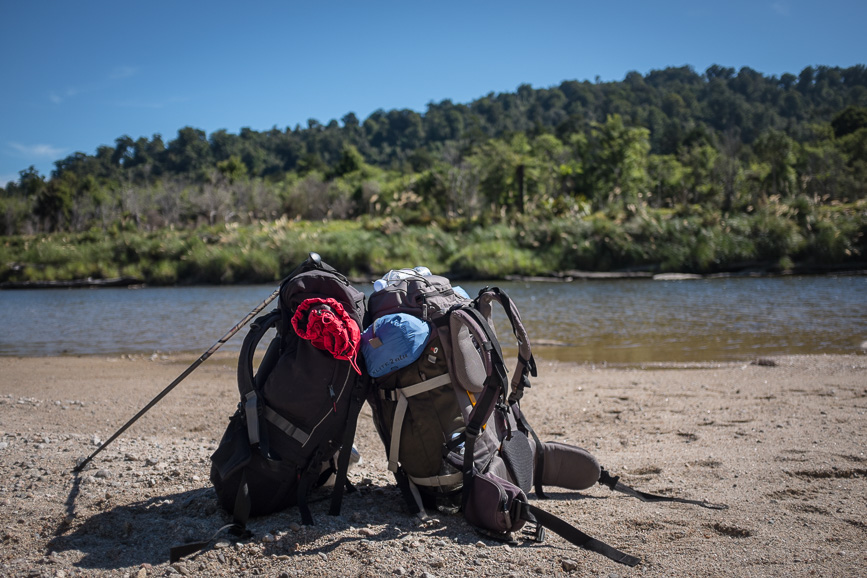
(333, 397)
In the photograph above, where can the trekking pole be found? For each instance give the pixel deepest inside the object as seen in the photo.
(182, 376)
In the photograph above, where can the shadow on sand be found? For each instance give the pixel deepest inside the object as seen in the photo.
(137, 533)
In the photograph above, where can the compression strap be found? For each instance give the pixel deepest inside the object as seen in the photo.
(613, 482)
(286, 426)
(403, 394)
(569, 532)
(446, 481)
(251, 412)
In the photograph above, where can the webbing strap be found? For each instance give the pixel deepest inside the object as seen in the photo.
(356, 402)
(470, 434)
(411, 390)
(426, 385)
(403, 394)
(614, 484)
(286, 426)
(439, 481)
(307, 476)
(238, 527)
(252, 414)
(178, 552)
(413, 490)
(569, 532)
(409, 492)
(305, 483)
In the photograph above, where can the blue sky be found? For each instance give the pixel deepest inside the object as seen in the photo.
(77, 75)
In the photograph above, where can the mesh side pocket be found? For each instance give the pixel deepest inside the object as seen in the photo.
(518, 456)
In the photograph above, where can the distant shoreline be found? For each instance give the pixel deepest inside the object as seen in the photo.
(857, 269)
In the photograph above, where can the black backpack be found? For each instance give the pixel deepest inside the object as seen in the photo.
(296, 419)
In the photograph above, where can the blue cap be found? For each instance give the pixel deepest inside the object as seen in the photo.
(393, 342)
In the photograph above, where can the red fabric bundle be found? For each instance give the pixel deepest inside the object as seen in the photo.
(327, 325)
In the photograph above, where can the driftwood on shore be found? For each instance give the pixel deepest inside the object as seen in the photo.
(567, 276)
(574, 275)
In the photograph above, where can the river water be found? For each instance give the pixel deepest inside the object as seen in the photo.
(628, 321)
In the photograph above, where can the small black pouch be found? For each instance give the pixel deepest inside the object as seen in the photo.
(493, 504)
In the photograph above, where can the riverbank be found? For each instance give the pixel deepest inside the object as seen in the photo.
(852, 269)
(794, 237)
(781, 442)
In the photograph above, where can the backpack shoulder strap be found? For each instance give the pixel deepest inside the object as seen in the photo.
(247, 380)
(525, 367)
(526, 364)
(495, 385)
(359, 393)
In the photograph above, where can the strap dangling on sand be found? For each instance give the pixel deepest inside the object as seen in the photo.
(614, 483)
(572, 534)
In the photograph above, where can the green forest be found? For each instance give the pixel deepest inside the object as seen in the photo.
(721, 171)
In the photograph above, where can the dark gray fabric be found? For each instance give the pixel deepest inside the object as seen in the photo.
(490, 505)
(569, 467)
(518, 456)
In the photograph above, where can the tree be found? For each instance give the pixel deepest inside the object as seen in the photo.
(776, 149)
(123, 151)
(822, 166)
(666, 178)
(53, 204)
(854, 147)
(232, 169)
(699, 163)
(189, 153)
(733, 135)
(728, 167)
(147, 158)
(618, 163)
(849, 120)
(31, 182)
(350, 162)
(498, 166)
(224, 145)
(546, 170)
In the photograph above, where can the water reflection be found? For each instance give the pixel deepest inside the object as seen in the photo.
(615, 321)
(642, 321)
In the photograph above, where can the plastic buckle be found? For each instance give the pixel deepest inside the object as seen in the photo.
(536, 534)
(607, 479)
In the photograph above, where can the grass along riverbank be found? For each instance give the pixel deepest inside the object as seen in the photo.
(776, 237)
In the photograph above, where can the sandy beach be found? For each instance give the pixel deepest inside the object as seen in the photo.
(782, 442)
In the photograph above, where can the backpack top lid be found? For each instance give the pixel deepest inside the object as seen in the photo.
(324, 283)
(421, 296)
(392, 342)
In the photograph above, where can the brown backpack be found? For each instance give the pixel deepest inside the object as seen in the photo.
(451, 421)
